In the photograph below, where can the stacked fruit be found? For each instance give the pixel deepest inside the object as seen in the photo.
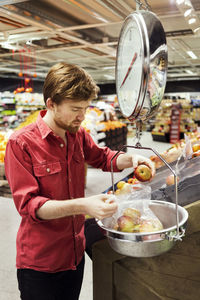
(3, 142)
(124, 187)
(132, 221)
(30, 119)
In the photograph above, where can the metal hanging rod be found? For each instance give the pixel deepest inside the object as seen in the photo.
(140, 5)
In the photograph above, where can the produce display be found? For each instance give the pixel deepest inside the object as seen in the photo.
(174, 152)
(3, 142)
(164, 119)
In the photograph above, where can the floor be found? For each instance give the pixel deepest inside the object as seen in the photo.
(97, 182)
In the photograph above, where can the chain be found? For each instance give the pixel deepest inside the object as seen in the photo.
(140, 5)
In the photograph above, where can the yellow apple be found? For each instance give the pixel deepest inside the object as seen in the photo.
(143, 173)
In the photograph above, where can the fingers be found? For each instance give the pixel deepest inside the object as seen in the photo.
(151, 165)
(138, 160)
(109, 206)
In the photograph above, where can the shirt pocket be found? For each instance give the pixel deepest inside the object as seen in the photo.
(51, 179)
(47, 169)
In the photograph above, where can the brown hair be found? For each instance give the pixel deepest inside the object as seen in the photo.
(67, 81)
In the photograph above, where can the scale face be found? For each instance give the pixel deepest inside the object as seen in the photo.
(141, 65)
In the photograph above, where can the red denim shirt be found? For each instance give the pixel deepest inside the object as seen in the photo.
(40, 167)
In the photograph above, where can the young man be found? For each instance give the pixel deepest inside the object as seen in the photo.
(44, 166)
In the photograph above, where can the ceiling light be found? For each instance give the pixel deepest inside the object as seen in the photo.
(5, 2)
(109, 76)
(108, 68)
(191, 54)
(179, 2)
(196, 29)
(192, 20)
(188, 3)
(187, 12)
(189, 72)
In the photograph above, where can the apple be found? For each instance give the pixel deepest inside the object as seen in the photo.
(170, 179)
(125, 224)
(196, 147)
(126, 188)
(110, 192)
(150, 225)
(120, 184)
(133, 213)
(195, 154)
(117, 192)
(132, 181)
(143, 173)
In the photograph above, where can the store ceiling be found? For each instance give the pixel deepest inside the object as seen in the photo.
(36, 34)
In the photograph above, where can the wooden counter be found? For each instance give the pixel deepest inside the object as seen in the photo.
(173, 275)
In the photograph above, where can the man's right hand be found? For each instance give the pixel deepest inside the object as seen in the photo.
(100, 206)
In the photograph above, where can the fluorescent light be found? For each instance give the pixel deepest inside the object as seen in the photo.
(196, 29)
(191, 54)
(192, 20)
(108, 68)
(109, 76)
(187, 12)
(179, 2)
(189, 72)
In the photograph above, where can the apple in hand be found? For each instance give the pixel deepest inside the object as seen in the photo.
(143, 173)
(125, 224)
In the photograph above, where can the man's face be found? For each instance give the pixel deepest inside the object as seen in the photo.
(69, 114)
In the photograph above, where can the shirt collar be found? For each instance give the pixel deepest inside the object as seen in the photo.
(42, 126)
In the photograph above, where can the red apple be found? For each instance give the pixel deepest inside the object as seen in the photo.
(133, 213)
(132, 181)
(195, 154)
(150, 225)
(125, 224)
(143, 173)
(170, 179)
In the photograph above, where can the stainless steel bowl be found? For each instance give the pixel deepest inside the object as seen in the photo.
(148, 244)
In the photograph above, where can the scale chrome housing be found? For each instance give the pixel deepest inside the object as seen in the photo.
(143, 90)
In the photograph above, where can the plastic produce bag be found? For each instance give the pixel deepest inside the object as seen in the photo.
(134, 214)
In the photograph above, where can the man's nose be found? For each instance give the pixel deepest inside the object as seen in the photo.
(81, 116)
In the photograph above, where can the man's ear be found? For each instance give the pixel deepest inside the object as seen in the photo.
(50, 104)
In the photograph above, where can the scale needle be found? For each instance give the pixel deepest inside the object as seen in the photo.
(129, 69)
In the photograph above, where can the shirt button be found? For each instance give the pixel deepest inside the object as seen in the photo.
(48, 170)
(61, 145)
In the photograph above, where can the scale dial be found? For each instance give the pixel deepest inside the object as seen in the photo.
(139, 53)
(129, 66)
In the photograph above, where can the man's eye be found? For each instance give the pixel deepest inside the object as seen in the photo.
(75, 110)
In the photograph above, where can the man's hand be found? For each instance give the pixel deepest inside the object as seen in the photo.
(138, 160)
(127, 161)
(100, 206)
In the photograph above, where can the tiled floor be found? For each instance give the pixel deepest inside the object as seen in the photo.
(97, 182)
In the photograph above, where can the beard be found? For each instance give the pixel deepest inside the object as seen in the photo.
(70, 128)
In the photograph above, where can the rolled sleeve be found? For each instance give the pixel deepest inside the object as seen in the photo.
(23, 184)
(100, 157)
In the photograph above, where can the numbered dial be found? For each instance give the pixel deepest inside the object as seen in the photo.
(129, 67)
